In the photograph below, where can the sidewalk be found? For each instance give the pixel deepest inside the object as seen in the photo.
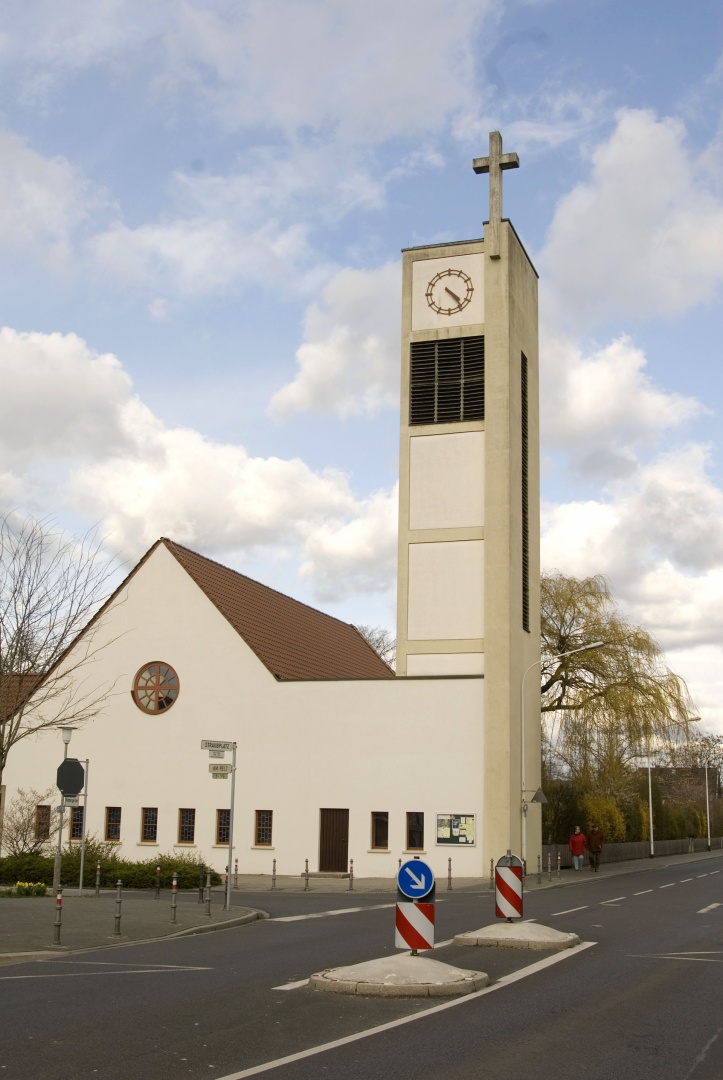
(88, 922)
(26, 924)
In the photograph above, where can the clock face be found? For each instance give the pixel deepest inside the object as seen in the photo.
(449, 292)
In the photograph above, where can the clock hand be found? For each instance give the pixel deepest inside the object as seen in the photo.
(453, 295)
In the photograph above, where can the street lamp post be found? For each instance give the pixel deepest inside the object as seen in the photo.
(67, 733)
(523, 775)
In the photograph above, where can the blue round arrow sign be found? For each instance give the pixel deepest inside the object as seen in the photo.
(415, 879)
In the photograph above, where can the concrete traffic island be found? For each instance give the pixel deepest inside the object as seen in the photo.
(400, 976)
(519, 935)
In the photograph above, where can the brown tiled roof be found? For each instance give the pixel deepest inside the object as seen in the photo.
(14, 690)
(292, 640)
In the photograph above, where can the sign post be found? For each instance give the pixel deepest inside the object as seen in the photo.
(508, 887)
(216, 748)
(415, 906)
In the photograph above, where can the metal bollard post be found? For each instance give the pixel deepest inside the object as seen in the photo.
(449, 875)
(306, 875)
(539, 869)
(235, 874)
(492, 875)
(549, 866)
(174, 896)
(200, 884)
(208, 894)
(273, 875)
(97, 880)
(118, 901)
(158, 882)
(559, 860)
(58, 918)
(351, 875)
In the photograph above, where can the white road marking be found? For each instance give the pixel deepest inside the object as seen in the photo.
(506, 980)
(96, 974)
(696, 952)
(683, 880)
(338, 911)
(292, 985)
(705, 910)
(714, 872)
(644, 891)
(568, 911)
(703, 1054)
(702, 875)
(614, 900)
(664, 956)
(668, 886)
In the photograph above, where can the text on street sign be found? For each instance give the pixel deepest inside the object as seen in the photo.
(214, 744)
(220, 769)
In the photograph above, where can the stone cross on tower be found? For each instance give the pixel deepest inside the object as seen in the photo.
(494, 164)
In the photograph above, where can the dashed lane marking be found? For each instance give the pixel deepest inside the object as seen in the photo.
(684, 879)
(705, 910)
(568, 911)
(702, 875)
(643, 892)
(337, 911)
(506, 980)
(714, 872)
(668, 886)
(614, 900)
(95, 974)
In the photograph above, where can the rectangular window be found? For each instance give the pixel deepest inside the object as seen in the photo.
(264, 821)
(447, 381)
(112, 822)
(42, 822)
(380, 829)
(186, 826)
(76, 822)
(149, 824)
(415, 831)
(524, 421)
(223, 826)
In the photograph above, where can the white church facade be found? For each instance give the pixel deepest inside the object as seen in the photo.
(338, 757)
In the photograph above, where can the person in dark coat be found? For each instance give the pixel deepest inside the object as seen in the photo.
(595, 841)
(577, 848)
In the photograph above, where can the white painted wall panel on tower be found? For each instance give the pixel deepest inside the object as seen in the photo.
(446, 481)
(446, 590)
(445, 664)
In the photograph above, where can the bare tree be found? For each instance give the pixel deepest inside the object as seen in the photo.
(50, 587)
(382, 641)
(29, 824)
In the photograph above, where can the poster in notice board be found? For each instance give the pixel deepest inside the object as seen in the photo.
(455, 829)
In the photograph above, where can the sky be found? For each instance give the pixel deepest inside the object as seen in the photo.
(202, 208)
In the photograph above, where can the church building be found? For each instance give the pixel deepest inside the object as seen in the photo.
(337, 756)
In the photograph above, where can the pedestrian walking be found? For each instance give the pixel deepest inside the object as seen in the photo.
(595, 841)
(577, 847)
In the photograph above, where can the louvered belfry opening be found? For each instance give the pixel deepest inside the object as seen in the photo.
(524, 418)
(447, 381)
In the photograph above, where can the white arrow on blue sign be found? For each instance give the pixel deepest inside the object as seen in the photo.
(415, 879)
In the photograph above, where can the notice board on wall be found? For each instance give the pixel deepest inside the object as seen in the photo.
(455, 829)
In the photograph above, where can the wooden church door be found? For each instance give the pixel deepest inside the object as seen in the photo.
(333, 841)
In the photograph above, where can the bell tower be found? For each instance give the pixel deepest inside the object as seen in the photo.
(468, 562)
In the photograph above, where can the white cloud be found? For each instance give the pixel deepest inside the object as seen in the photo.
(601, 407)
(43, 201)
(349, 361)
(74, 436)
(642, 237)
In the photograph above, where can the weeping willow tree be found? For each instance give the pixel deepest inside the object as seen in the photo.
(603, 708)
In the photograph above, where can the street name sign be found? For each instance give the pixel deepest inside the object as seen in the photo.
(220, 776)
(220, 770)
(415, 879)
(215, 744)
(217, 754)
(71, 800)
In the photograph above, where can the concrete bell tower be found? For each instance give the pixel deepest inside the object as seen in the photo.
(469, 575)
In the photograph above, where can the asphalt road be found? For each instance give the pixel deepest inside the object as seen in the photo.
(644, 1001)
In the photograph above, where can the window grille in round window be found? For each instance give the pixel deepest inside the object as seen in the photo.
(155, 687)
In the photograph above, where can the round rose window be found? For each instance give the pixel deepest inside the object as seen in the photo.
(155, 687)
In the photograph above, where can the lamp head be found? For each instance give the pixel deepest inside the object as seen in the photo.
(67, 733)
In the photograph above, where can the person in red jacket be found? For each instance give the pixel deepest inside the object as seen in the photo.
(577, 847)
